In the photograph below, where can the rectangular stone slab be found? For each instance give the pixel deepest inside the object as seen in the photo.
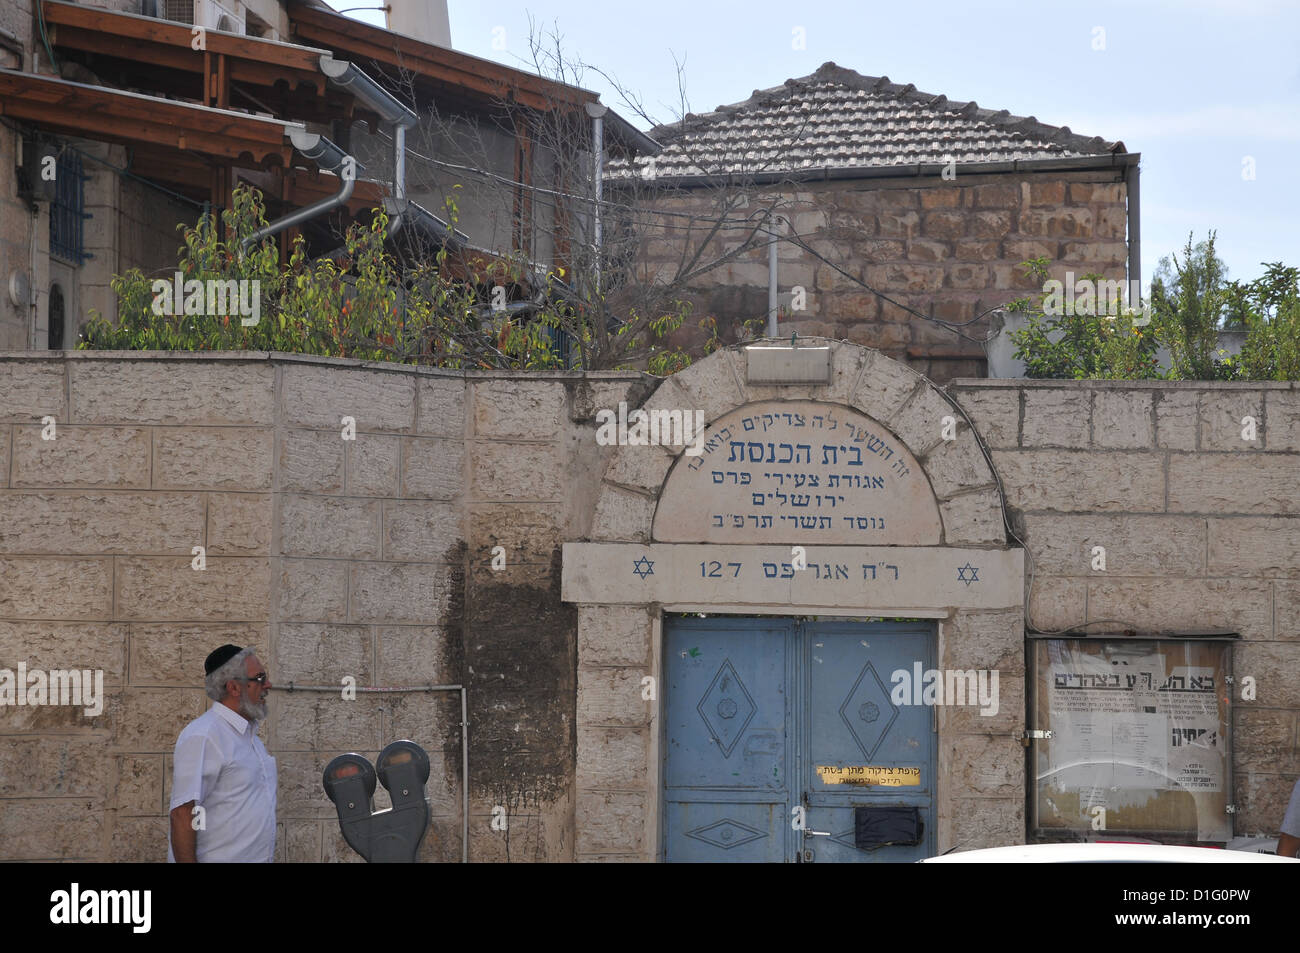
(836, 577)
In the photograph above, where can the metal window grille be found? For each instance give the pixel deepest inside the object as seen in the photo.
(182, 11)
(67, 211)
(563, 345)
(54, 336)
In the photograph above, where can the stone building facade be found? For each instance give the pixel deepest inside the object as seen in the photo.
(878, 187)
(130, 222)
(476, 532)
(156, 112)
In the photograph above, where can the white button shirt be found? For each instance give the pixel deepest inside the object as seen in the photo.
(1291, 822)
(222, 765)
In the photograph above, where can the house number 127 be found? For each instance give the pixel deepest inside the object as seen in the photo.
(713, 569)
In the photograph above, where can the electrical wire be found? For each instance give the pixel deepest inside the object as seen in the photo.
(577, 197)
(126, 173)
(796, 239)
(40, 19)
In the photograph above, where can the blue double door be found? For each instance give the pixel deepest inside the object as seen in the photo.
(781, 742)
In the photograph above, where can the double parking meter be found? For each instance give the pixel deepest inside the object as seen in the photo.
(392, 836)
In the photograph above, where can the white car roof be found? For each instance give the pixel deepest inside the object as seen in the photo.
(1105, 853)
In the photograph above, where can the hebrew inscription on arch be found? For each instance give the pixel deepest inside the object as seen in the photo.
(798, 472)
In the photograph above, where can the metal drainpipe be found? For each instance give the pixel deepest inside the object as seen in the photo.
(464, 740)
(33, 298)
(1132, 181)
(303, 214)
(597, 113)
(399, 175)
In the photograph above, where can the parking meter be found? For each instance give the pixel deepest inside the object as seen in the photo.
(392, 836)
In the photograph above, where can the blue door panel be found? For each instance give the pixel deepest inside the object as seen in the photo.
(727, 765)
(717, 832)
(880, 754)
(726, 707)
(754, 706)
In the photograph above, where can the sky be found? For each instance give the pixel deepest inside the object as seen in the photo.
(1208, 91)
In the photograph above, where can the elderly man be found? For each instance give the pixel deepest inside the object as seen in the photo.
(223, 781)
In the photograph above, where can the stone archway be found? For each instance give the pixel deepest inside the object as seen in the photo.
(948, 512)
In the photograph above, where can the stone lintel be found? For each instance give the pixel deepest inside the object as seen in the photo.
(862, 578)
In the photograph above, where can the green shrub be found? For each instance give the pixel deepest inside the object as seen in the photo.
(1080, 344)
(366, 307)
(1191, 302)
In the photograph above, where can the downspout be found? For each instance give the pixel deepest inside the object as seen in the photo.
(326, 155)
(399, 172)
(390, 109)
(1132, 183)
(396, 209)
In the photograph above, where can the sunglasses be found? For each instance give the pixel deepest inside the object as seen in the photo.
(260, 679)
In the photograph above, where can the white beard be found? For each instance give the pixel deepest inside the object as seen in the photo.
(251, 711)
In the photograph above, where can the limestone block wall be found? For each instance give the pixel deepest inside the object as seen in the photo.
(1199, 527)
(368, 558)
(374, 558)
(957, 244)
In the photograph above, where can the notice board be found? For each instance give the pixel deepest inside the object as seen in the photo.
(1139, 739)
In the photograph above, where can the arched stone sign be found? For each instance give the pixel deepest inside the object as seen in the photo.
(798, 472)
(681, 532)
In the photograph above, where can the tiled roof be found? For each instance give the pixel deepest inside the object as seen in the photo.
(839, 119)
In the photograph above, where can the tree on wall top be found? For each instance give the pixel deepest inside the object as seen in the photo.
(1191, 302)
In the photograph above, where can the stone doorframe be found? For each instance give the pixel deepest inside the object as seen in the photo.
(980, 792)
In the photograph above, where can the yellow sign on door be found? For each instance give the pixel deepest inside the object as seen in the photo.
(870, 775)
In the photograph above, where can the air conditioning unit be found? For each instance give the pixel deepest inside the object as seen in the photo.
(36, 171)
(227, 18)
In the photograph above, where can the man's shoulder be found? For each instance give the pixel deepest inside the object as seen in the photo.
(202, 725)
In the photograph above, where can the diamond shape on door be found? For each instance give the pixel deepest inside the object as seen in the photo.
(726, 833)
(867, 711)
(726, 708)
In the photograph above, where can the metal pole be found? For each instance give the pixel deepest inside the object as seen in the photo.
(464, 779)
(772, 298)
(597, 113)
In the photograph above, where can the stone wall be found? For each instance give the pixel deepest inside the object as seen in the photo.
(956, 245)
(374, 558)
(368, 558)
(1199, 527)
